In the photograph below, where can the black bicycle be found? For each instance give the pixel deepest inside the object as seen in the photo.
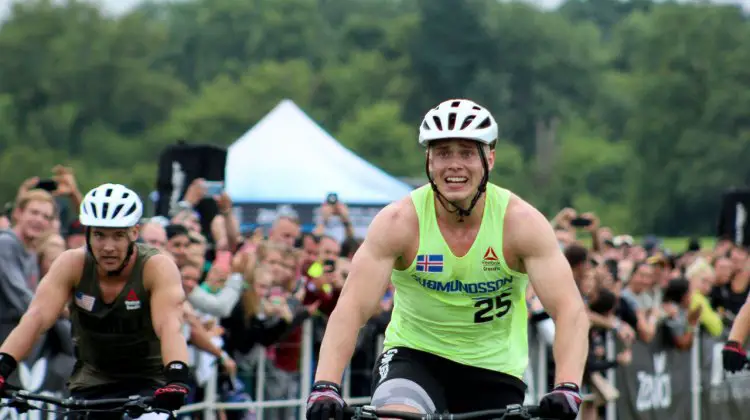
(134, 406)
(511, 412)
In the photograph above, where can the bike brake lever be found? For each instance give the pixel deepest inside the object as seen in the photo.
(135, 408)
(365, 412)
(516, 411)
(169, 413)
(20, 404)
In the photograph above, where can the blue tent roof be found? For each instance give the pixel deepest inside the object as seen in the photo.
(287, 158)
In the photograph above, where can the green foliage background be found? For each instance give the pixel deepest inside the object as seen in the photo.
(635, 110)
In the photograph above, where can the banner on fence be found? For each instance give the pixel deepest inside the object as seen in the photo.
(45, 371)
(723, 396)
(656, 385)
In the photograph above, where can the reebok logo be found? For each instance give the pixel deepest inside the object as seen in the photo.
(490, 255)
(132, 302)
(490, 261)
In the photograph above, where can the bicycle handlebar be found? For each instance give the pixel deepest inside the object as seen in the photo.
(513, 411)
(134, 406)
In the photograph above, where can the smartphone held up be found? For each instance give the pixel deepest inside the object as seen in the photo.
(580, 222)
(49, 185)
(214, 188)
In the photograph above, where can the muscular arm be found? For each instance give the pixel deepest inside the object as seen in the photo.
(552, 278)
(741, 324)
(360, 298)
(162, 278)
(53, 293)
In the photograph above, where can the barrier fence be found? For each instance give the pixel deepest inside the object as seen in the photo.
(661, 382)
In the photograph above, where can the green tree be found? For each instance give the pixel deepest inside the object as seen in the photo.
(692, 64)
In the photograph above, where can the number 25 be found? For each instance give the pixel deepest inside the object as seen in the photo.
(499, 303)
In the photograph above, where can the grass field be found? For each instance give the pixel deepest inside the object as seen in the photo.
(676, 244)
(679, 244)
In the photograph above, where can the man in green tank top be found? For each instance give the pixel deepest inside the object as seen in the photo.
(126, 309)
(460, 252)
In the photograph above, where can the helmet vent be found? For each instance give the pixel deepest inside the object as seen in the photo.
(455, 104)
(467, 121)
(132, 210)
(438, 124)
(451, 121)
(108, 193)
(125, 195)
(117, 210)
(93, 209)
(486, 123)
(105, 209)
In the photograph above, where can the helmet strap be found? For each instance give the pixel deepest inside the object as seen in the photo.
(118, 270)
(460, 211)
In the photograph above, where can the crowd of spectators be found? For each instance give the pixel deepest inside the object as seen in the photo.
(644, 291)
(248, 295)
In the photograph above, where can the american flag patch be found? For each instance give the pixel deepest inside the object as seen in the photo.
(430, 263)
(85, 301)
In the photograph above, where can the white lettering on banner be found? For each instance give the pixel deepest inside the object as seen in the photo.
(655, 391)
(178, 181)
(738, 384)
(32, 380)
(739, 224)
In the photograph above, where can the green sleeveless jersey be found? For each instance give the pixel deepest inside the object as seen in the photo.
(469, 309)
(114, 342)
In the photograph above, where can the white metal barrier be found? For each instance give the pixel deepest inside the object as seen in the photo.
(210, 403)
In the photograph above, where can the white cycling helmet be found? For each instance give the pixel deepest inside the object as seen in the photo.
(111, 206)
(458, 118)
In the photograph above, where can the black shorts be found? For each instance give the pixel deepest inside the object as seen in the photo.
(115, 390)
(431, 383)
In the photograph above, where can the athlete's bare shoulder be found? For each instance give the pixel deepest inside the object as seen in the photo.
(160, 270)
(394, 228)
(68, 267)
(522, 221)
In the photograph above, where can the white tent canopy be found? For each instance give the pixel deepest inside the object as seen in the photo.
(287, 158)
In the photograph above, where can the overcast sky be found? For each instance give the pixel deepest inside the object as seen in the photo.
(118, 6)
